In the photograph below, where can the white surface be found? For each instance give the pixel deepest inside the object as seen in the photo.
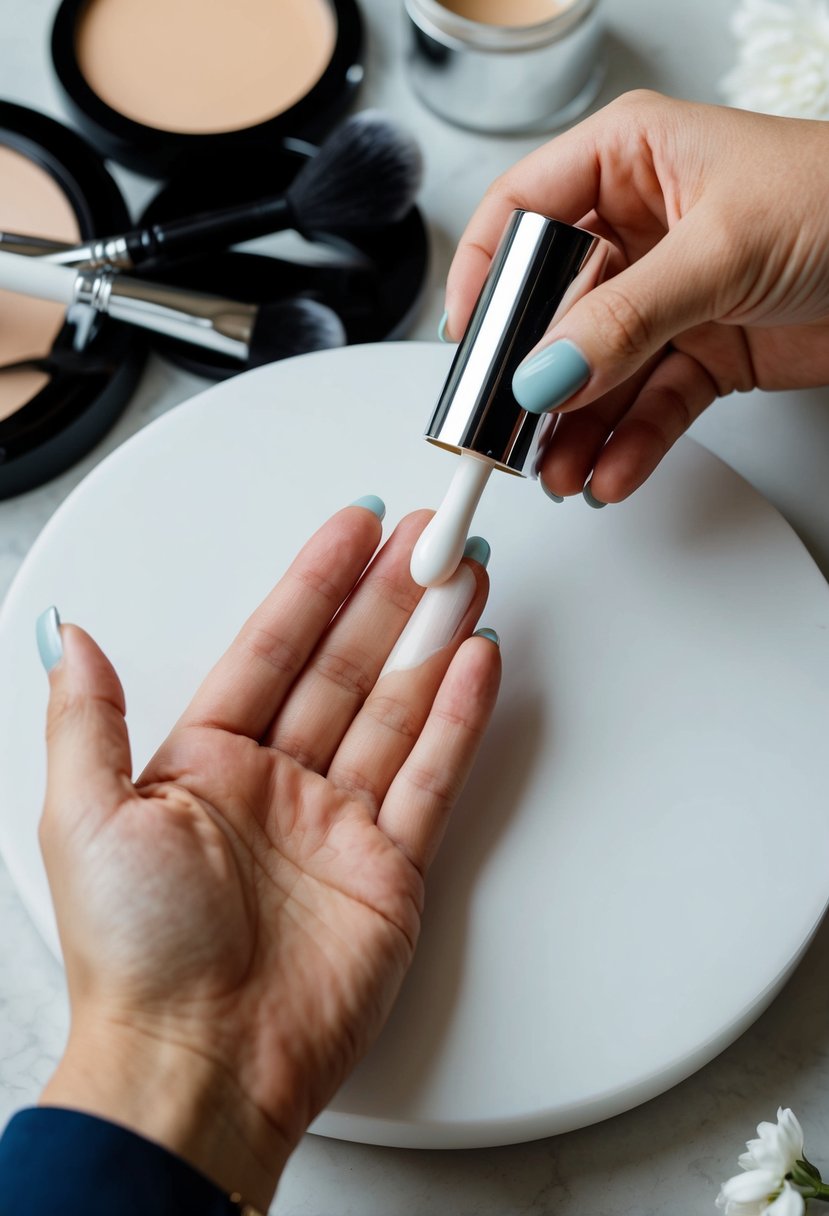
(662, 719)
(671, 1154)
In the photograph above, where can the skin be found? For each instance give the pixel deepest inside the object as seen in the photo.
(237, 922)
(717, 278)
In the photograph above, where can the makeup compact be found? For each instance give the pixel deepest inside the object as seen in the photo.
(157, 84)
(56, 401)
(505, 65)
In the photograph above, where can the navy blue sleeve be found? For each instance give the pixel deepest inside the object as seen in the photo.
(57, 1162)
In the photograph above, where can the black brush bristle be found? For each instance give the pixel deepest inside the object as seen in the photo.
(293, 327)
(367, 173)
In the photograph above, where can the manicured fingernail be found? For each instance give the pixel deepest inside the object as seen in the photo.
(590, 498)
(550, 494)
(478, 550)
(442, 334)
(549, 378)
(49, 642)
(434, 622)
(489, 634)
(371, 503)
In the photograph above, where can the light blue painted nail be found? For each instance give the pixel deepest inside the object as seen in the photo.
(442, 334)
(489, 634)
(590, 499)
(478, 550)
(550, 494)
(49, 643)
(549, 378)
(371, 503)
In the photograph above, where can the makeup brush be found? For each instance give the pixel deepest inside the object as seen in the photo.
(251, 333)
(365, 175)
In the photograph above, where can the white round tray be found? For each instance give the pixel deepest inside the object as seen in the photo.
(617, 898)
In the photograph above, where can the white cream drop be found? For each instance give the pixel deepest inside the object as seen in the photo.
(438, 553)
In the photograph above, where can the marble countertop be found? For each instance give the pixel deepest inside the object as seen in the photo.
(666, 1156)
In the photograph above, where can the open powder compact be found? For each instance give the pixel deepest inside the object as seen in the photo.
(156, 83)
(56, 402)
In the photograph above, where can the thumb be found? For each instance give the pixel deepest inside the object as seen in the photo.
(613, 330)
(88, 752)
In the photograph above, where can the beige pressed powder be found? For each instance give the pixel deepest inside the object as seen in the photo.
(516, 13)
(204, 66)
(31, 201)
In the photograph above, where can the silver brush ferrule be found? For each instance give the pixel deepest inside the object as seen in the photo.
(209, 321)
(93, 255)
(541, 266)
(110, 252)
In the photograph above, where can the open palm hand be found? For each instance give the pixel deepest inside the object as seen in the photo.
(240, 918)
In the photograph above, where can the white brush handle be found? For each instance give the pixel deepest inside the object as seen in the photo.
(36, 277)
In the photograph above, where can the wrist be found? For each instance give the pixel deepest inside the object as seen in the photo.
(176, 1096)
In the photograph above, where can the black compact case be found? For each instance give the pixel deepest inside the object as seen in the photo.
(160, 152)
(85, 393)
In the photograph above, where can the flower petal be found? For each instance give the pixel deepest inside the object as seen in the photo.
(788, 1203)
(731, 1208)
(765, 1154)
(751, 1187)
(790, 1136)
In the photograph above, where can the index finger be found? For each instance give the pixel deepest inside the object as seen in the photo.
(246, 687)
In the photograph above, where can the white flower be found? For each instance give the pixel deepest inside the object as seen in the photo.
(759, 1193)
(763, 1190)
(782, 58)
(778, 1147)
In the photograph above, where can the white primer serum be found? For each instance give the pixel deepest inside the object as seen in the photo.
(438, 553)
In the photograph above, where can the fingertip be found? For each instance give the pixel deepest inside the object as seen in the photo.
(479, 661)
(550, 493)
(550, 377)
(371, 502)
(49, 639)
(478, 549)
(92, 673)
(489, 634)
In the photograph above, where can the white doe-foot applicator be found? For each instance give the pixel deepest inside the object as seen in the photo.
(540, 268)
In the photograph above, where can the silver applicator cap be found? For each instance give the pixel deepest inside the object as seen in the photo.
(534, 268)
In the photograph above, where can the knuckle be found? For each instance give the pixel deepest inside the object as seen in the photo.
(395, 715)
(500, 188)
(355, 783)
(401, 595)
(674, 414)
(274, 650)
(349, 675)
(440, 789)
(295, 749)
(621, 326)
(62, 707)
(316, 581)
(638, 99)
(456, 720)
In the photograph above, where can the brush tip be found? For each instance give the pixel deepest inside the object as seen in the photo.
(366, 174)
(294, 327)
